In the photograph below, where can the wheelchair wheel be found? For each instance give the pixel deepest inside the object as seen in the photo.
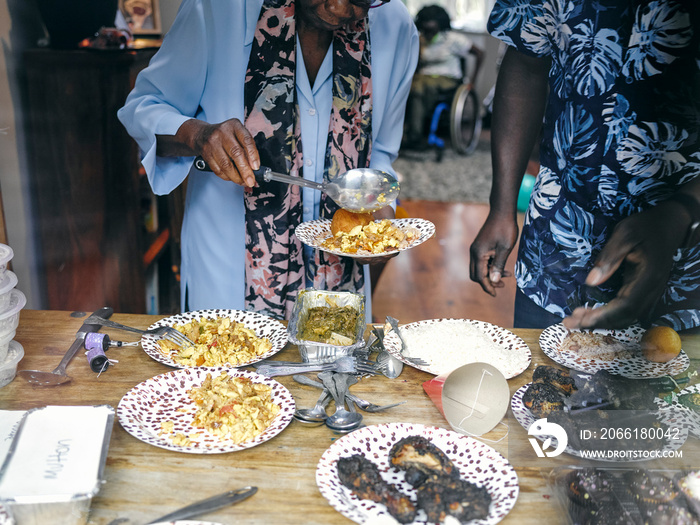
(465, 120)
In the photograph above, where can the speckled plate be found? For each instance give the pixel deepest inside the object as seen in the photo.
(262, 325)
(313, 233)
(518, 351)
(635, 367)
(686, 416)
(665, 415)
(165, 397)
(477, 463)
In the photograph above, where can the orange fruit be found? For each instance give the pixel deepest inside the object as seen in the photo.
(660, 344)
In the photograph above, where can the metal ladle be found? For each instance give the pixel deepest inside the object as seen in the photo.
(359, 190)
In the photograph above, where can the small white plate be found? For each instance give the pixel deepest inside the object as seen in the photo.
(665, 415)
(314, 233)
(514, 346)
(165, 397)
(477, 463)
(635, 367)
(262, 325)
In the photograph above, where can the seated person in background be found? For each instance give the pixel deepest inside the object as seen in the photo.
(439, 68)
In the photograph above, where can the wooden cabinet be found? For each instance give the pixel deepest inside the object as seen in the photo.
(87, 189)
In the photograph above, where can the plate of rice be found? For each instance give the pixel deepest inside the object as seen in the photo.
(446, 344)
(222, 338)
(206, 410)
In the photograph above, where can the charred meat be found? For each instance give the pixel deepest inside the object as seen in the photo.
(612, 392)
(363, 478)
(440, 497)
(556, 377)
(543, 399)
(420, 459)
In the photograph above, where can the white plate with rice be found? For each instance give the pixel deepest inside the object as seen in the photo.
(447, 344)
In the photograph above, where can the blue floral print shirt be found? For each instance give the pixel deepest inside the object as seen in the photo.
(621, 133)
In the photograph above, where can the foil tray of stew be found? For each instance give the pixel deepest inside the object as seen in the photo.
(327, 325)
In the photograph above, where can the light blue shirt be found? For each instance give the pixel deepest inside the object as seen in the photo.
(199, 72)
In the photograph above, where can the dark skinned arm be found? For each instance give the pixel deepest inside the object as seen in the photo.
(643, 245)
(228, 148)
(518, 109)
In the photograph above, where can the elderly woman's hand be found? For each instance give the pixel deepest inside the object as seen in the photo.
(228, 148)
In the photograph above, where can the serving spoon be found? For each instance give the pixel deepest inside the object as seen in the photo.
(342, 420)
(360, 190)
(317, 415)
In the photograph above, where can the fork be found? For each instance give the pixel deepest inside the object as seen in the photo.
(347, 364)
(361, 403)
(162, 332)
(394, 324)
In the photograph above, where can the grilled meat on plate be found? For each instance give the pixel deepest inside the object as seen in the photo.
(420, 459)
(440, 497)
(363, 478)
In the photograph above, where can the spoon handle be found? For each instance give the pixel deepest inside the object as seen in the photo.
(269, 175)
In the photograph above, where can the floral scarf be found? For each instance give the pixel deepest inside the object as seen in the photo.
(274, 266)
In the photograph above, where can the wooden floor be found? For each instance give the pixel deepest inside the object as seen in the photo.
(432, 281)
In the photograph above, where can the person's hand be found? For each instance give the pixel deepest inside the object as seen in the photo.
(228, 148)
(643, 245)
(490, 250)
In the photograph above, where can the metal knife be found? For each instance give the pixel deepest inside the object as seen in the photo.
(208, 505)
(59, 376)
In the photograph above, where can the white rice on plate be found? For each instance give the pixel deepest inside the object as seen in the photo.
(452, 343)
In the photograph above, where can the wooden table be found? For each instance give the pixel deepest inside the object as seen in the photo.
(143, 482)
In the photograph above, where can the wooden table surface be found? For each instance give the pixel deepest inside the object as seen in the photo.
(143, 482)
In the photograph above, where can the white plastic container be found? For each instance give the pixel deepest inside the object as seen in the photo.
(55, 465)
(9, 316)
(6, 254)
(5, 340)
(8, 365)
(7, 282)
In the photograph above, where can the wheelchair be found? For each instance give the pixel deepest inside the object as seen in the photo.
(463, 108)
(458, 114)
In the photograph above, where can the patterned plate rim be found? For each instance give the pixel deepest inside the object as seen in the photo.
(635, 367)
(688, 417)
(132, 423)
(305, 231)
(277, 335)
(526, 418)
(393, 345)
(358, 441)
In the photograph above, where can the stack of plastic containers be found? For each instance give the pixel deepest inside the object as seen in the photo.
(11, 302)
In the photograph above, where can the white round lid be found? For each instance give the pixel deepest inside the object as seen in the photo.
(8, 282)
(6, 254)
(17, 302)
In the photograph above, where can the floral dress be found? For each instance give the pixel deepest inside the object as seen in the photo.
(621, 133)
